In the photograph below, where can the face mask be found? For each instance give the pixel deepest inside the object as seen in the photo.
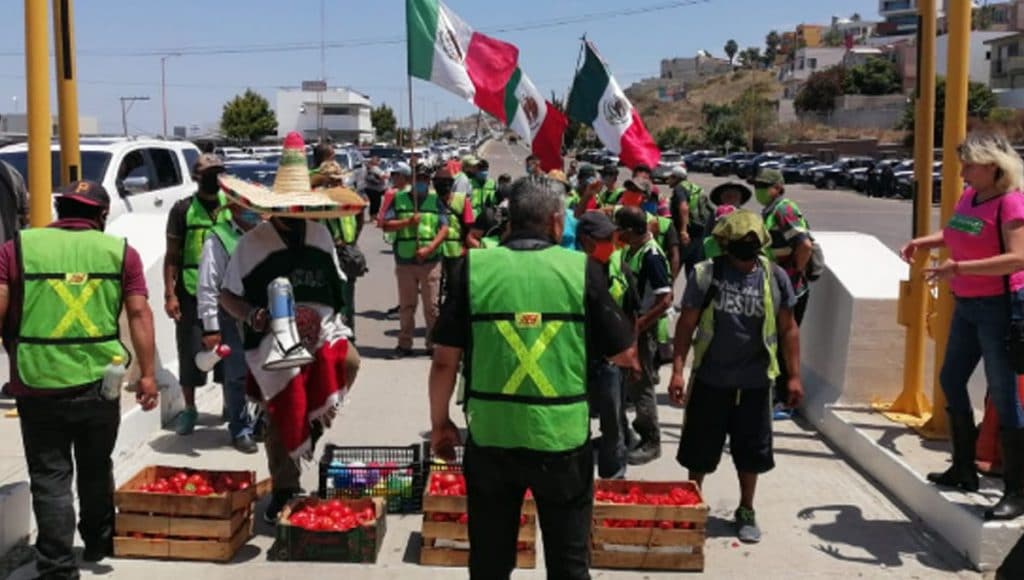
(209, 184)
(481, 176)
(763, 195)
(248, 218)
(422, 187)
(744, 250)
(604, 250)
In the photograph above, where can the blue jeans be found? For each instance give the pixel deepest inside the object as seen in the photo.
(607, 397)
(978, 333)
(239, 419)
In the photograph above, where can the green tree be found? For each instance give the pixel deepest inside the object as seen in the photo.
(877, 76)
(384, 122)
(751, 57)
(772, 43)
(818, 95)
(670, 138)
(721, 125)
(248, 117)
(981, 101)
(755, 112)
(731, 48)
(833, 38)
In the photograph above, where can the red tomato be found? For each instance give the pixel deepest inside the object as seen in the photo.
(463, 519)
(627, 523)
(322, 509)
(335, 514)
(324, 523)
(665, 525)
(349, 522)
(180, 476)
(346, 511)
(138, 535)
(204, 490)
(457, 489)
(438, 517)
(335, 504)
(196, 479)
(369, 514)
(448, 479)
(242, 485)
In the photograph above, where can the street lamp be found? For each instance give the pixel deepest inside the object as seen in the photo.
(15, 100)
(163, 87)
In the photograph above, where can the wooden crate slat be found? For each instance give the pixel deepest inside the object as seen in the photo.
(648, 537)
(206, 550)
(646, 560)
(615, 511)
(448, 557)
(223, 529)
(457, 531)
(127, 498)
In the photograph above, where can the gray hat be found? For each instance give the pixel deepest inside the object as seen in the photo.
(402, 168)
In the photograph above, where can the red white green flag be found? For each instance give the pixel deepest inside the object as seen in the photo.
(597, 100)
(444, 50)
(535, 120)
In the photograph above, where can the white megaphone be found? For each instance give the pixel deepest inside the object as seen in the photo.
(286, 351)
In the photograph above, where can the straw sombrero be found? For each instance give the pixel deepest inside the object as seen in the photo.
(292, 194)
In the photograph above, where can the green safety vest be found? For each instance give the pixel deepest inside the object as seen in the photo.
(389, 237)
(483, 195)
(612, 197)
(412, 238)
(343, 229)
(452, 247)
(663, 224)
(198, 222)
(527, 387)
(618, 284)
(70, 307)
(699, 212)
(490, 242)
(228, 236)
(706, 326)
(635, 261)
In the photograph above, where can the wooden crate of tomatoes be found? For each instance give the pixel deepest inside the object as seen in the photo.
(331, 530)
(446, 524)
(181, 514)
(648, 525)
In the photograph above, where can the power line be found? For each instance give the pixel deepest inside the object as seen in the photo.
(378, 41)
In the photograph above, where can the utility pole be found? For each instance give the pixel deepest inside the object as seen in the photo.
(163, 87)
(126, 105)
(67, 90)
(37, 106)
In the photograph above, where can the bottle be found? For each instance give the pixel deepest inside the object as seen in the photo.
(113, 377)
(207, 359)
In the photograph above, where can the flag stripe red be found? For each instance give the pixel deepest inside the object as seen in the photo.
(490, 64)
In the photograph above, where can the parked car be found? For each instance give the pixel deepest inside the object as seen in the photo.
(698, 160)
(262, 173)
(793, 167)
(669, 161)
(723, 166)
(748, 169)
(837, 174)
(141, 175)
(904, 187)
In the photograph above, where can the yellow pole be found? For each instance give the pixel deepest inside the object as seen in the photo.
(911, 406)
(37, 55)
(67, 90)
(958, 19)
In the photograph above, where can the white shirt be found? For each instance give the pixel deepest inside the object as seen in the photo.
(462, 184)
(212, 263)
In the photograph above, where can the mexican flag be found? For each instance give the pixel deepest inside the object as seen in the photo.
(444, 50)
(535, 120)
(597, 100)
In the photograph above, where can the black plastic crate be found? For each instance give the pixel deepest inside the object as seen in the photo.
(432, 464)
(391, 473)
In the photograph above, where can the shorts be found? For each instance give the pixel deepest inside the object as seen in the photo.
(188, 334)
(745, 415)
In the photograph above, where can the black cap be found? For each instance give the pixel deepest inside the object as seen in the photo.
(86, 192)
(642, 186)
(585, 171)
(596, 225)
(610, 170)
(631, 219)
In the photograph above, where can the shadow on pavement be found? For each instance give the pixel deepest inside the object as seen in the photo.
(203, 439)
(246, 553)
(886, 542)
(412, 549)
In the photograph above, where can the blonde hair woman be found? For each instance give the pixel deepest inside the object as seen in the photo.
(985, 238)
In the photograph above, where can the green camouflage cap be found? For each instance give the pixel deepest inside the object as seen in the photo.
(738, 224)
(768, 177)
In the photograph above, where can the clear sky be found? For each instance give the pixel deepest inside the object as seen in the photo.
(119, 43)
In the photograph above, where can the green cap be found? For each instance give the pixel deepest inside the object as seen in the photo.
(738, 224)
(469, 160)
(768, 177)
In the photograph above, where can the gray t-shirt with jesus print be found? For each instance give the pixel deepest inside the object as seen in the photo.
(737, 357)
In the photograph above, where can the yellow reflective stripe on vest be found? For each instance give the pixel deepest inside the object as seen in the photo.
(76, 308)
(528, 360)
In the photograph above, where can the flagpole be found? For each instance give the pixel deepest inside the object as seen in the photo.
(412, 150)
(579, 58)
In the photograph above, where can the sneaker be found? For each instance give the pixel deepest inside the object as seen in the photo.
(246, 444)
(782, 412)
(278, 499)
(400, 352)
(187, 421)
(644, 454)
(94, 553)
(392, 313)
(746, 526)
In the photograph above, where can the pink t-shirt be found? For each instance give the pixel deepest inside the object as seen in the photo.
(972, 234)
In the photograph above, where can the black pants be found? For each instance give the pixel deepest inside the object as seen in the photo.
(608, 403)
(375, 198)
(563, 487)
(641, 390)
(448, 268)
(782, 381)
(52, 429)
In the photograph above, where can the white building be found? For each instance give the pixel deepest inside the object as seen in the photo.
(980, 66)
(345, 114)
(17, 123)
(805, 62)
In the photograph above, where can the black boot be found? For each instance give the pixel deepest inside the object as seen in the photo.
(962, 473)
(1011, 505)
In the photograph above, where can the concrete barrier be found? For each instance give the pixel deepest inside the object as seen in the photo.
(852, 356)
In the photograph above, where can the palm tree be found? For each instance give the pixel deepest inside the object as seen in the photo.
(731, 48)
